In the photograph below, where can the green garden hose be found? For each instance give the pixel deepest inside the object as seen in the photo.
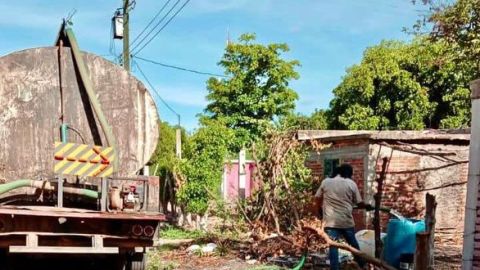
(301, 263)
(7, 187)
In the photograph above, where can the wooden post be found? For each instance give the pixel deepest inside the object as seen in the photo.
(378, 200)
(431, 206)
(424, 253)
(421, 260)
(126, 35)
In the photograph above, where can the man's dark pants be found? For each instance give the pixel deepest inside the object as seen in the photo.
(349, 235)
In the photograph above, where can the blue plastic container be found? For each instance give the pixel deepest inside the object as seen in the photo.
(401, 239)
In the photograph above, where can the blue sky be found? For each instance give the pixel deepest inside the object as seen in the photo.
(326, 36)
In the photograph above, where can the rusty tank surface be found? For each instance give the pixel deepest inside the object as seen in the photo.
(76, 132)
(30, 96)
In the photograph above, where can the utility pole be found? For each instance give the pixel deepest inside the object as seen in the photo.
(178, 139)
(126, 39)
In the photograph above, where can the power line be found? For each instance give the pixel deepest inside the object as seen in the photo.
(150, 23)
(180, 68)
(165, 25)
(155, 91)
(156, 25)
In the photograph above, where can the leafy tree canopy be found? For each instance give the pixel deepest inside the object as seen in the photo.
(256, 90)
(316, 121)
(456, 23)
(164, 158)
(203, 168)
(403, 86)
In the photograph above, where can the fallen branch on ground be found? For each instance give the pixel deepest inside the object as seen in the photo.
(318, 229)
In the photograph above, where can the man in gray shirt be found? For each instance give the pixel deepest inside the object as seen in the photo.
(339, 195)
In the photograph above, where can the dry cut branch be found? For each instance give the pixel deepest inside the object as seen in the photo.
(318, 229)
(278, 203)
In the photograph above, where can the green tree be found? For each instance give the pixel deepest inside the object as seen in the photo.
(203, 167)
(316, 121)
(447, 82)
(456, 23)
(164, 158)
(379, 93)
(164, 162)
(403, 86)
(256, 89)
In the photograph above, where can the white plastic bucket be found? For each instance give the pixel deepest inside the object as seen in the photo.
(366, 241)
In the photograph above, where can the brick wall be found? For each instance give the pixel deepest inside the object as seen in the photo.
(316, 163)
(358, 177)
(346, 143)
(398, 191)
(409, 178)
(316, 167)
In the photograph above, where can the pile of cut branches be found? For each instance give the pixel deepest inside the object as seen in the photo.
(278, 214)
(309, 236)
(296, 243)
(285, 185)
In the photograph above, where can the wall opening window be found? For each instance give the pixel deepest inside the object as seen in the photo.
(328, 165)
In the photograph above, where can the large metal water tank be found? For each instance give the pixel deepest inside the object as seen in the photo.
(30, 103)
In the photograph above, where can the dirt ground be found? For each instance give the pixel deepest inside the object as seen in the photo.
(193, 262)
(182, 261)
(173, 257)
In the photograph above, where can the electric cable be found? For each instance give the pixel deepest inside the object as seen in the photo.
(155, 27)
(150, 23)
(163, 27)
(156, 92)
(179, 68)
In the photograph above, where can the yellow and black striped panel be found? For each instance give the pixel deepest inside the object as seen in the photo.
(83, 160)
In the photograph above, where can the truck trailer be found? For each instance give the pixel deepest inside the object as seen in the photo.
(76, 133)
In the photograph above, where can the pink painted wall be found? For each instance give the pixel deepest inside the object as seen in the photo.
(230, 179)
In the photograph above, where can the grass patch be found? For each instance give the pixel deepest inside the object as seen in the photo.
(154, 262)
(171, 232)
(166, 247)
